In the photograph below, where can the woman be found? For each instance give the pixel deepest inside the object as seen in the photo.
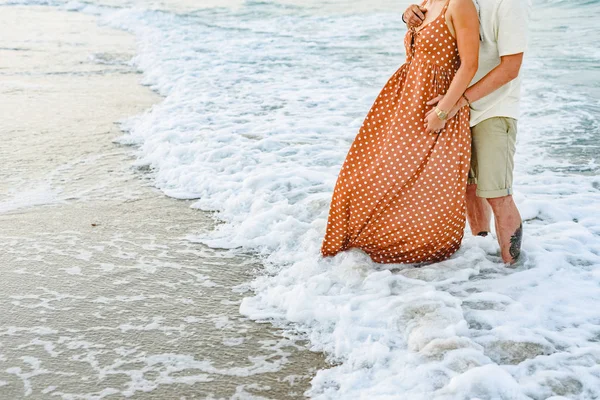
(400, 195)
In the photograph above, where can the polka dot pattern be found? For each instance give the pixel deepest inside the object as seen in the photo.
(400, 195)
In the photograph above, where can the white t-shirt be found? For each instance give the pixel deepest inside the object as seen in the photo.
(503, 27)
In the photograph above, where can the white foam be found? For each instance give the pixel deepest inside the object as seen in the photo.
(24, 198)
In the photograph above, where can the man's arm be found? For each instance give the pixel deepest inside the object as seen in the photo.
(512, 40)
(506, 71)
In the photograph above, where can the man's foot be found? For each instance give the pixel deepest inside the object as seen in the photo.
(519, 262)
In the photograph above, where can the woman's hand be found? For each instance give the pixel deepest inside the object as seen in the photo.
(433, 123)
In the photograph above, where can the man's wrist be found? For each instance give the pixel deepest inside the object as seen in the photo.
(467, 98)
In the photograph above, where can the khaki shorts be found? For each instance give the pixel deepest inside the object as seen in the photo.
(492, 156)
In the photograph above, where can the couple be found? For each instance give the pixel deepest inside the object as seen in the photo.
(438, 143)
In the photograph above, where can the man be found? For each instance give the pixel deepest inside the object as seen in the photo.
(494, 101)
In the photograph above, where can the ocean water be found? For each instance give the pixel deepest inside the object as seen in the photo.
(262, 100)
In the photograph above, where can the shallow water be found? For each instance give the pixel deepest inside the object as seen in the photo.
(262, 101)
(102, 295)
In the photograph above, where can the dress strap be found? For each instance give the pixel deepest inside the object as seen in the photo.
(412, 28)
(445, 8)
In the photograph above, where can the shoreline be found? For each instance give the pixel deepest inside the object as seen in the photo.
(99, 281)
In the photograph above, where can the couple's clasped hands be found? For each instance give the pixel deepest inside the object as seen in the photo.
(433, 123)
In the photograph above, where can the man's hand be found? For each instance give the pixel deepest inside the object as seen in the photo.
(433, 102)
(414, 15)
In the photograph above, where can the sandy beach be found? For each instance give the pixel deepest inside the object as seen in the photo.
(101, 295)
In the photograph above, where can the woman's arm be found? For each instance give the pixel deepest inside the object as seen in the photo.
(466, 25)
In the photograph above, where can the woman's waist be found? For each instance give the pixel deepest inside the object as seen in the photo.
(441, 67)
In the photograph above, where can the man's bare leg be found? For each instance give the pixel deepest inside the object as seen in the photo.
(479, 212)
(509, 227)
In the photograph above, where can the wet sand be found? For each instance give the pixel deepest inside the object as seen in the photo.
(101, 294)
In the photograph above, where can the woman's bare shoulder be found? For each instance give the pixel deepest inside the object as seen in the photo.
(462, 9)
(461, 5)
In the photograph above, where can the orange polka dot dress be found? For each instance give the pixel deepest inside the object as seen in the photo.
(400, 195)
